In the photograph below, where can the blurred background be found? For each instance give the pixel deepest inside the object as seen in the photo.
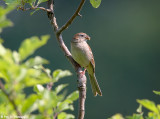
(125, 40)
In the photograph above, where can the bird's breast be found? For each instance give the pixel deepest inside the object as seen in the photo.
(80, 53)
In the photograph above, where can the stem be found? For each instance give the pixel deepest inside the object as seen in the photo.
(69, 22)
(10, 99)
(58, 32)
(82, 94)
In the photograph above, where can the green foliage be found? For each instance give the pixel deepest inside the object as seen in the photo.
(18, 73)
(11, 2)
(4, 22)
(28, 47)
(40, 1)
(95, 3)
(157, 92)
(154, 110)
(117, 116)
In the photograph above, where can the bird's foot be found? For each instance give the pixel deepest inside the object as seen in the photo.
(83, 72)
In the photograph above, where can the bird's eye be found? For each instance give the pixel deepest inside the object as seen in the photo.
(81, 35)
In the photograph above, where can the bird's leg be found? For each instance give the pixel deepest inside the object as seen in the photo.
(83, 72)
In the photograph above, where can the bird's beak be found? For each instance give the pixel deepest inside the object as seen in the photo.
(87, 37)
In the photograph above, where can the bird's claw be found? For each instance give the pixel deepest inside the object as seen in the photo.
(83, 72)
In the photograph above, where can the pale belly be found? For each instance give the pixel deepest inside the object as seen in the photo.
(80, 54)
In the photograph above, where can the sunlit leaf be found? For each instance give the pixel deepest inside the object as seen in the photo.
(157, 92)
(48, 100)
(35, 77)
(38, 88)
(135, 116)
(149, 105)
(152, 115)
(16, 57)
(2, 50)
(57, 74)
(29, 46)
(73, 96)
(11, 2)
(95, 3)
(31, 1)
(60, 87)
(40, 1)
(29, 104)
(4, 22)
(117, 116)
(36, 61)
(64, 115)
(139, 109)
(64, 106)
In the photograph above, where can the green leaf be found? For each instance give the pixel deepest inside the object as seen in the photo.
(4, 22)
(152, 115)
(64, 115)
(149, 105)
(73, 96)
(2, 50)
(29, 104)
(40, 1)
(48, 100)
(35, 77)
(35, 61)
(16, 57)
(38, 88)
(64, 106)
(11, 2)
(57, 74)
(158, 106)
(135, 116)
(117, 116)
(157, 92)
(139, 109)
(60, 87)
(34, 11)
(37, 116)
(29, 46)
(31, 2)
(95, 3)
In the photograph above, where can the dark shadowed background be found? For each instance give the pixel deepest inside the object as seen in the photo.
(125, 40)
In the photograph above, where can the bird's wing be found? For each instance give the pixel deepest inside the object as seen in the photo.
(92, 62)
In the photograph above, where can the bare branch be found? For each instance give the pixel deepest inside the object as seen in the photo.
(10, 99)
(81, 76)
(65, 26)
(82, 94)
(33, 8)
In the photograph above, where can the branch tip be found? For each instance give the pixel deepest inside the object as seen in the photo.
(79, 15)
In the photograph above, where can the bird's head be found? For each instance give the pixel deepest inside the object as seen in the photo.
(79, 37)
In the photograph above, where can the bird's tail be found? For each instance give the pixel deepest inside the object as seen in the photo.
(95, 87)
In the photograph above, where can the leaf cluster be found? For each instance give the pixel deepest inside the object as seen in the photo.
(4, 22)
(36, 3)
(19, 72)
(153, 110)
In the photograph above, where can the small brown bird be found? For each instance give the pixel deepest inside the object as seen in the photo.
(82, 54)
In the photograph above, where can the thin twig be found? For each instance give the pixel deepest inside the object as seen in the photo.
(65, 26)
(81, 77)
(10, 99)
(33, 8)
(49, 85)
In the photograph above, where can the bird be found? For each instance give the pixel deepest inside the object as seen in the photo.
(82, 54)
